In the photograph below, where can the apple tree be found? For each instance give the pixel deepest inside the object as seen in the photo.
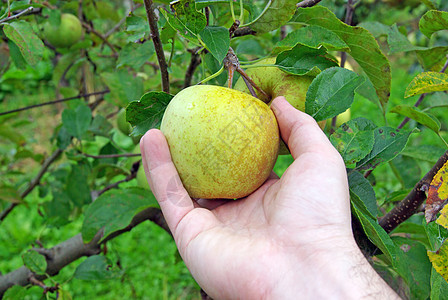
(82, 81)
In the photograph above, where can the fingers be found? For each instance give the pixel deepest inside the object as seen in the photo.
(163, 178)
(299, 130)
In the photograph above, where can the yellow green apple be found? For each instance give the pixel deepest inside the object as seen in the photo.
(223, 142)
(66, 34)
(122, 124)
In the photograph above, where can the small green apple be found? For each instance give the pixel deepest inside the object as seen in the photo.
(341, 119)
(122, 124)
(276, 82)
(224, 143)
(66, 34)
(141, 178)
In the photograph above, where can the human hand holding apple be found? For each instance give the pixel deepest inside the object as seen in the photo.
(290, 237)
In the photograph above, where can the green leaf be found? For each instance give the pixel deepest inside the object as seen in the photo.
(433, 21)
(136, 28)
(77, 121)
(180, 27)
(368, 56)
(147, 113)
(135, 55)
(311, 36)
(331, 93)
(407, 170)
(427, 153)
(398, 42)
(124, 87)
(389, 142)
(216, 40)
(439, 260)
(275, 14)
(362, 194)
(303, 60)
(9, 193)
(377, 29)
(439, 286)
(16, 56)
(35, 262)
(21, 33)
(185, 11)
(96, 267)
(432, 56)
(413, 113)
(77, 185)
(427, 82)
(354, 139)
(114, 210)
(100, 126)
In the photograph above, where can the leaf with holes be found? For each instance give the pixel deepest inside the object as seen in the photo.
(389, 142)
(30, 46)
(427, 82)
(354, 139)
(185, 11)
(147, 113)
(437, 193)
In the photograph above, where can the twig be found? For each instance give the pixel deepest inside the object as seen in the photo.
(157, 45)
(243, 31)
(33, 183)
(266, 96)
(420, 99)
(28, 11)
(250, 87)
(102, 37)
(35, 281)
(118, 25)
(410, 204)
(234, 27)
(132, 175)
(307, 3)
(53, 102)
(74, 248)
(195, 61)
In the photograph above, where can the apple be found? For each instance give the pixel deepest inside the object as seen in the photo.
(223, 142)
(276, 82)
(123, 125)
(66, 34)
(141, 178)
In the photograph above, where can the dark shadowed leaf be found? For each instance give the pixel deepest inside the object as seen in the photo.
(362, 194)
(433, 21)
(135, 55)
(114, 210)
(368, 56)
(96, 267)
(147, 113)
(77, 186)
(331, 93)
(124, 87)
(21, 33)
(354, 139)
(100, 126)
(35, 262)
(303, 60)
(216, 40)
(389, 142)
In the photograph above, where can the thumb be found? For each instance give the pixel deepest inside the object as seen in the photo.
(299, 130)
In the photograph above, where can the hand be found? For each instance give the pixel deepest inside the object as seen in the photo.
(292, 237)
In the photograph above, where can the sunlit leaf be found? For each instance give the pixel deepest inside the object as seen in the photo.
(35, 261)
(443, 218)
(437, 193)
(427, 82)
(216, 40)
(439, 260)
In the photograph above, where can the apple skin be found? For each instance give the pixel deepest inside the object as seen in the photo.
(224, 143)
(66, 34)
(276, 83)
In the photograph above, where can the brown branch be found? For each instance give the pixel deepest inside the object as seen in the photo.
(33, 183)
(157, 45)
(243, 31)
(53, 102)
(28, 11)
(422, 96)
(410, 204)
(132, 175)
(74, 248)
(307, 3)
(118, 25)
(195, 61)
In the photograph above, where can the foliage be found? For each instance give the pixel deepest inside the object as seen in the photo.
(65, 167)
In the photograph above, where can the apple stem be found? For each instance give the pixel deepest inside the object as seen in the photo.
(249, 86)
(252, 83)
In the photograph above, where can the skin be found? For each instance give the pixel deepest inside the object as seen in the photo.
(291, 238)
